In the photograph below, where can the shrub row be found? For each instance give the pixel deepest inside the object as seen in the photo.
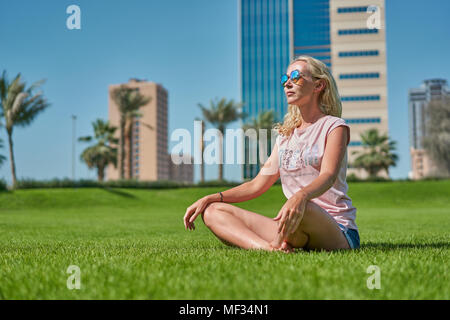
(82, 183)
(160, 184)
(3, 185)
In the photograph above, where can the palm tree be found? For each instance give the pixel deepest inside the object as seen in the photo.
(220, 114)
(437, 134)
(265, 120)
(102, 153)
(377, 153)
(129, 101)
(20, 106)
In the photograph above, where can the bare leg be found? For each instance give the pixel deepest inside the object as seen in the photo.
(321, 230)
(231, 230)
(246, 229)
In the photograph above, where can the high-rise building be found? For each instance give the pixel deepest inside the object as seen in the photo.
(346, 35)
(419, 98)
(146, 157)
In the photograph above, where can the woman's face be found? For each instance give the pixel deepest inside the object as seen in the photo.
(303, 91)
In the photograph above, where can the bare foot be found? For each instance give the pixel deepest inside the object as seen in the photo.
(276, 244)
(286, 247)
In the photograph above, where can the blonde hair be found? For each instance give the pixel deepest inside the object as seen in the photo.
(329, 99)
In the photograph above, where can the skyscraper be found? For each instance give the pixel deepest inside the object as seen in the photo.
(148, 158)
(419, 98)
(348, 36)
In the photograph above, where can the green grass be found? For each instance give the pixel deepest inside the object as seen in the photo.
(131, 244)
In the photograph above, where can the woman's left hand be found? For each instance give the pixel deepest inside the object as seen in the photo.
(290, 215)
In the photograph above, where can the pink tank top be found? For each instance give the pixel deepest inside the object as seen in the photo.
(300, 157)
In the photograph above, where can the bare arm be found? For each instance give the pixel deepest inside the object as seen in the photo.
(335, 148)
(266, 177)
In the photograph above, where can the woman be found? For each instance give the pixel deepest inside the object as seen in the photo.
(310, 157)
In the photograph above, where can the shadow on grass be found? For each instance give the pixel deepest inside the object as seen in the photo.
(120, 193)
(399, 246)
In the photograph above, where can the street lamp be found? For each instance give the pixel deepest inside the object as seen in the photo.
(74, 118)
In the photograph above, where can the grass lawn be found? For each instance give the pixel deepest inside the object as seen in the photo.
(131, 244)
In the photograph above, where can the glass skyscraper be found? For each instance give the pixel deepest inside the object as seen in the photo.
(312, 29)
(265, 53)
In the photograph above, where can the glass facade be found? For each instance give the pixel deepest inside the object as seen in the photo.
(312, 29)
(265, 54)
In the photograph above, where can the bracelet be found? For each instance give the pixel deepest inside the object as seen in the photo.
(221, 197)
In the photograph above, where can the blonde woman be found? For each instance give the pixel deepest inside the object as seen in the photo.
(310, 157)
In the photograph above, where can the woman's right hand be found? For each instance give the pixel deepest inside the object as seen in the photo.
(194, 210)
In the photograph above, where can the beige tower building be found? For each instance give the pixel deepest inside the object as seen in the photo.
(149, 135)
(358, 58)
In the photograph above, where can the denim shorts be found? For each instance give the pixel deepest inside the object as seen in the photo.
(352, 236)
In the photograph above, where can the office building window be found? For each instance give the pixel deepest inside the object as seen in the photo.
(346, 54)
(361, 98)
(352, 9)
(355, 143)
(363, 120)
(346, 32)
(359, 75)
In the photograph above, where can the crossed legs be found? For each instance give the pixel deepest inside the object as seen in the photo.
(238, 227)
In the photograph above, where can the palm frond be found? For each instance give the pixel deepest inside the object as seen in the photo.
(376, 154)
(103, 151)
(221, 112)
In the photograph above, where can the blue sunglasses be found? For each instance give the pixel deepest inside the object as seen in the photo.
(295, 77)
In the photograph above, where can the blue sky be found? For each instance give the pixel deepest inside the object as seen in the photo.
(190, 47)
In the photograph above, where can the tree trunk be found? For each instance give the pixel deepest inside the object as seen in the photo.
(101, 173)
(202, 149)
(122, 148)
(373, 172)
(221, 130)
(221, 171)
(11, 157)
